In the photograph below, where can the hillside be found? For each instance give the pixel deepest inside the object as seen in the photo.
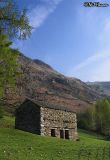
(101, 87)
(19, 145)
(41, 83)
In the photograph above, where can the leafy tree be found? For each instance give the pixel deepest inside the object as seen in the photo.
(96, 118)
(13, 22)
(86, 120)
(8, 66)
(103, 116)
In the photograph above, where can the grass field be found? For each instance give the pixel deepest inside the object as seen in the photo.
(19, 145)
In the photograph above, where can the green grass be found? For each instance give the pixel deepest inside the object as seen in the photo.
(7, 122)
(19, 145)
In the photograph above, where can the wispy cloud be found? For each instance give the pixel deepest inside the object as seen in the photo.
(94, 68)
(90, 60)
(101, 72)
(97, 65)
(40, 12)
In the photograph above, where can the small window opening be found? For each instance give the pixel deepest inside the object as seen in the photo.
(53, 132)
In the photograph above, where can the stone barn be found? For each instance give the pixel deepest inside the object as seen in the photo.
(47, 121)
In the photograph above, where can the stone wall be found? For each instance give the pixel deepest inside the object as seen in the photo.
(28, 117)
(59, 121)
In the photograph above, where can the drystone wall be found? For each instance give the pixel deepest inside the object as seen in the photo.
(28, 117)
(58, 123)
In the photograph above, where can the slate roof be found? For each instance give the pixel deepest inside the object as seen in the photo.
(44, 105)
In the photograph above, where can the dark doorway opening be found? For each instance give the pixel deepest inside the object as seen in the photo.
(53, 132)
(66, 134)
(62, 133)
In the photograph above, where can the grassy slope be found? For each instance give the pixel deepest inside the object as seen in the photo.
(19, 145)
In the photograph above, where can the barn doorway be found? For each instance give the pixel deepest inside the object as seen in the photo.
(61, 133)
(66, 134)
(53, 133)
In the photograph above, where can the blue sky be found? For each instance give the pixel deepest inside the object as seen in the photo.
(73, 39)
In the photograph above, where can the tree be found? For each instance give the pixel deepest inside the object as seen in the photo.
(86, 119)
(8, 65)
(13, 22)
(103, 116)
(96, 118)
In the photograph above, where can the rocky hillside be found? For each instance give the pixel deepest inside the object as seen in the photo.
(41, 83)
(101, 87)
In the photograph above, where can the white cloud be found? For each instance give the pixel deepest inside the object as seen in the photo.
(94, 68)
(97, 66)
(95, 71)
(107, 25)
(40, 12)
(91, 60)
(102, 72)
